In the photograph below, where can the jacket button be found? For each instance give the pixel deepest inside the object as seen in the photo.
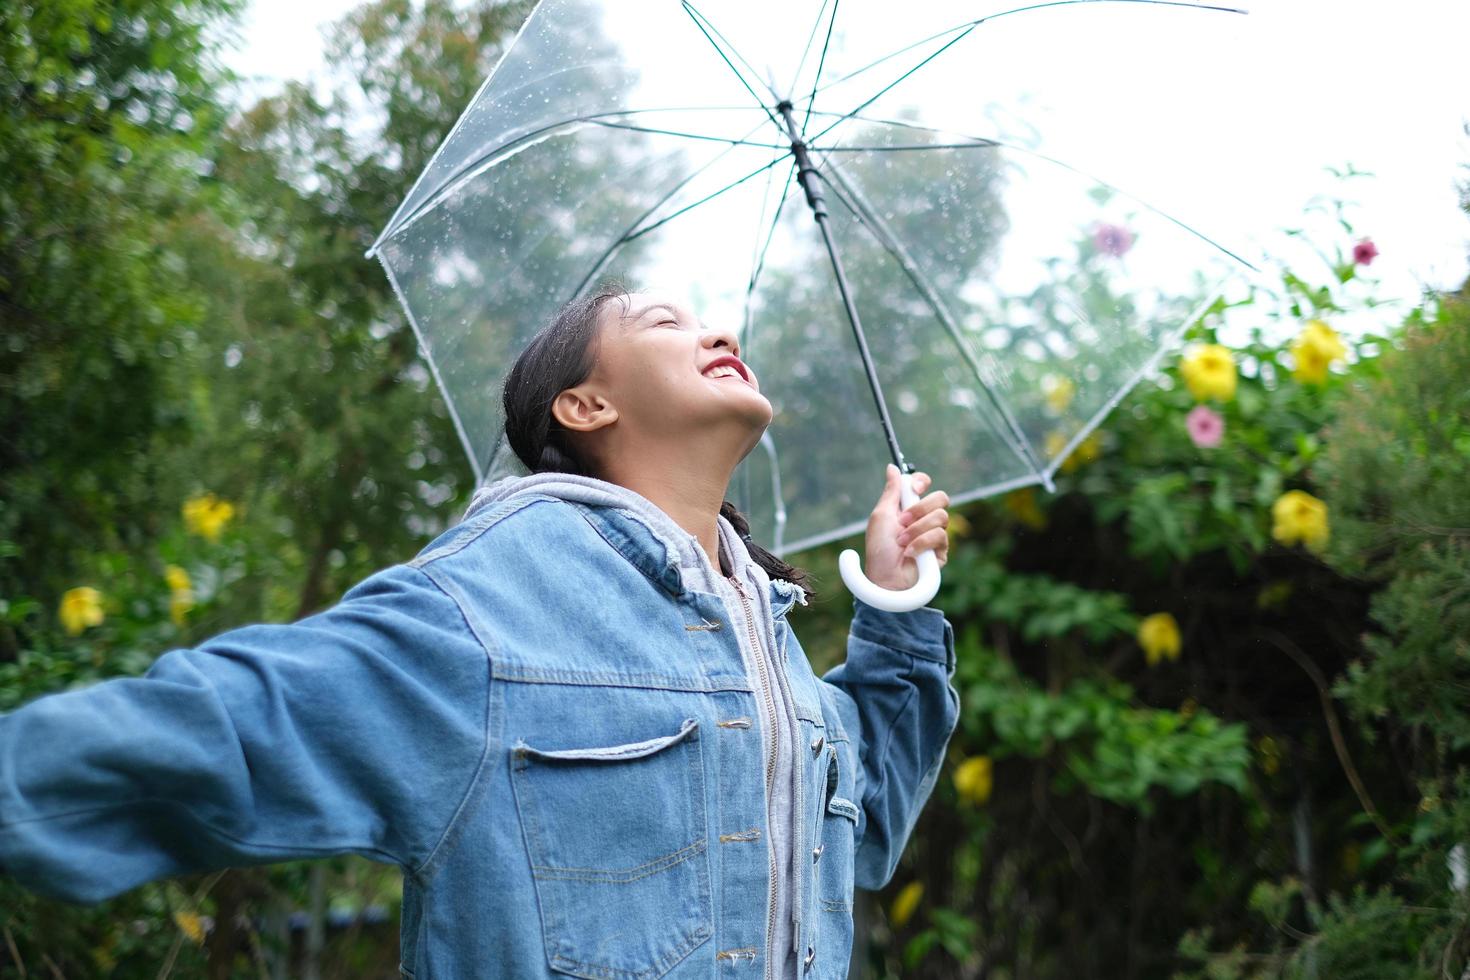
(817, 851)
(816, 745)
(811, 954)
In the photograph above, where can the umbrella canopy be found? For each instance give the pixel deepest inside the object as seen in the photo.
(1010, 298)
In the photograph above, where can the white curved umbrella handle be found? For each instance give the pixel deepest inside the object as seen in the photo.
(893, 600)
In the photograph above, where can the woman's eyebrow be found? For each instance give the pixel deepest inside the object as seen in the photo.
(658, 306)
(654, 306)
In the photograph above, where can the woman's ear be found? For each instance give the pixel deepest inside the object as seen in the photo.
(581, 410)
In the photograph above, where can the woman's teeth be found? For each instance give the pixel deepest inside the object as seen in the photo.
(723, 371)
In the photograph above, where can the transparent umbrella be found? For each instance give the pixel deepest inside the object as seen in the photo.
(873, 196)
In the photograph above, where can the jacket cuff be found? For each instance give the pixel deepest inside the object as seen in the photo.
(922, 633)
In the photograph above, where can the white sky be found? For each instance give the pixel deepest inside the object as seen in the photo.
(1380, 87)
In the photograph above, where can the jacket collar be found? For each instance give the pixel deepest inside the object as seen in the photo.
(653, 555)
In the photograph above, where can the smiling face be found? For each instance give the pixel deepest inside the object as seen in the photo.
(662, 377)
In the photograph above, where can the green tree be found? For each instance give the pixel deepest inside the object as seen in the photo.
(107, 111)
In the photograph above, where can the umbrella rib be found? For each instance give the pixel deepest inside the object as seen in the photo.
(821, 63)
(890, 56)
(700, 20)
(719, 34)
(885, 89)
(431, 201)
(692, 136)
(770, 235)
(811, 36)
(1036, 6)
(854, 201)
(634, 236)
(1052, 160)
(757, 253)
(759, 263)
(979, 144)
(628, 235)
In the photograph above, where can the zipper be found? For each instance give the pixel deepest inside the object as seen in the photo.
(760, 662)
(798, 844)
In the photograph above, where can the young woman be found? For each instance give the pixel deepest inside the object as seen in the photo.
(578, 720)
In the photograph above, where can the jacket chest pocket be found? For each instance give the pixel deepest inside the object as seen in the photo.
(616, 840)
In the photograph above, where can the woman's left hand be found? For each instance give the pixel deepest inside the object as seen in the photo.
(894, 536)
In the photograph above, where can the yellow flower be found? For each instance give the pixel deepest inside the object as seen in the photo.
(104, 959)
(190, 925)
(1298, 516)
(959, 527)
(1088, 449)
(207, 516)
(1209, 372)
(181, 593)
(80, 608)
(972, 779)
(1314, 349)
(1085, 452)
(1058, 391)
(1021, 504)
(102, 953)
(904, 904)
(1159, 636)
(1270, 752)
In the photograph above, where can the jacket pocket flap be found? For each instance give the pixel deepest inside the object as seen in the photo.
(611, 753)
(845, 807)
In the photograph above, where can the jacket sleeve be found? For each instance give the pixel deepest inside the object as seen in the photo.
(356, 730)
(896, 700)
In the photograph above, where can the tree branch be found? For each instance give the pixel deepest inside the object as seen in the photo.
(1334, 729)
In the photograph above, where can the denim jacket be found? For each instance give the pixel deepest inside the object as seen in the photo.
(539, 722)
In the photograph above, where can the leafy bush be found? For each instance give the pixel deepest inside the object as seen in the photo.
(1152, 775)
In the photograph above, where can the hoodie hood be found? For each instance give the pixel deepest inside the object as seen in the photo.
(695, 568)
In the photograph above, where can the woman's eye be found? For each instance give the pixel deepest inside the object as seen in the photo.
(669, 323)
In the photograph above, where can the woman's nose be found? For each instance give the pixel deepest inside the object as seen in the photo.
(717, 336)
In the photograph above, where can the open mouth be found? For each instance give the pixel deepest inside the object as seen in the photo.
(727, 367)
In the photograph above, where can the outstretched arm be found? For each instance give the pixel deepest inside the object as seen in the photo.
(356, 730)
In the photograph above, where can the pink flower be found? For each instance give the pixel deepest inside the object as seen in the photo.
(1112, 239)
(1365, 252)
(1206, 427)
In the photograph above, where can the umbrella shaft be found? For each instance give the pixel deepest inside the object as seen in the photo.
(807, 174)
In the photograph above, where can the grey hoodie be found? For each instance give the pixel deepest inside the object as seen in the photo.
(699, 574)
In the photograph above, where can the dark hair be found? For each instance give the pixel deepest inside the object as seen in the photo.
(560, 356)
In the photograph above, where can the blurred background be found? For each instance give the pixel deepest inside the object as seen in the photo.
(1215, 689)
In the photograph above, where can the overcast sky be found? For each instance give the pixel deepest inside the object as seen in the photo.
(1380, 87)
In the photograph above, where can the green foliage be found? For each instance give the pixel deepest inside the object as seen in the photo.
(949, 930)
(1394, 472)
(187, 310)
(1105, 744)
(106, 114)
(1208, 815)
(1037, 606)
